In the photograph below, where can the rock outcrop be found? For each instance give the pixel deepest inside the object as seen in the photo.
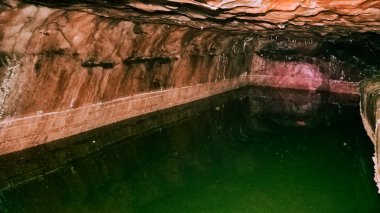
(370, 105)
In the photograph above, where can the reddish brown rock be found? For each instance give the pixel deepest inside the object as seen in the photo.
(65, 71)
(305, 18)
(68, 67)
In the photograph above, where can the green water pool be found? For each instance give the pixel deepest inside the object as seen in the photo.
(250, 153)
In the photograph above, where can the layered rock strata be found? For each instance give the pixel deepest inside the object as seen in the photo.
(298, 17)
(64, 72)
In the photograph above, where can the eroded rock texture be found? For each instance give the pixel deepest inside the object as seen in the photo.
(322, 17)
(71, 59)
(54, 59)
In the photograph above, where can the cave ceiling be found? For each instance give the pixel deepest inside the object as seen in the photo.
(298, 18)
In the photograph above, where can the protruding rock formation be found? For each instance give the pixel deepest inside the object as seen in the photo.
(370, 105)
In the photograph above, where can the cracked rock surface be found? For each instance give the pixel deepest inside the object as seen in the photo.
(281, 17)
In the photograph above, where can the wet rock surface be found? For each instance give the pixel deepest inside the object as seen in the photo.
(79, 59)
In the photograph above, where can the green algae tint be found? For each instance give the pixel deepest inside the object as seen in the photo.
(260, 152)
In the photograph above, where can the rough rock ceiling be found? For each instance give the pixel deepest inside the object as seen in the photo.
(304, 18)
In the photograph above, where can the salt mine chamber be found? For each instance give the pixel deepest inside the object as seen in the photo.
(73, 72)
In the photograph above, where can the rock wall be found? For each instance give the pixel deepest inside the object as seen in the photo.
(71, 59)
(64, 72)
(370, 105)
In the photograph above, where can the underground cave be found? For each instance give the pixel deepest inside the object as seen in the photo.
(189, 106)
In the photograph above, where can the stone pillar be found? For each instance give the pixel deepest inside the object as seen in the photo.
(370, 112)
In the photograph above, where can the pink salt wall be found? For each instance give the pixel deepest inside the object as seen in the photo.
(69, 72)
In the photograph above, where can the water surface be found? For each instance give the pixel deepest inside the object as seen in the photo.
(258, 151)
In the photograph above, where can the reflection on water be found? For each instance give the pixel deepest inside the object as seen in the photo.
(253, 150)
